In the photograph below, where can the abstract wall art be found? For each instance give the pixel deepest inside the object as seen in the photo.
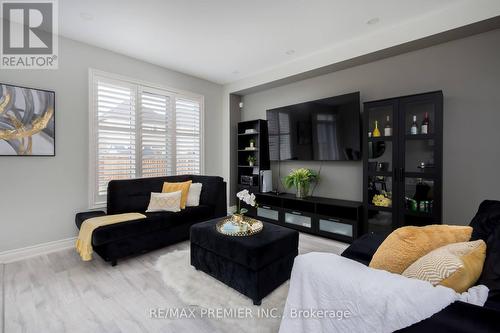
(27, 121)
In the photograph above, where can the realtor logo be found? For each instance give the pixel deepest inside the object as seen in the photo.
(29, 35)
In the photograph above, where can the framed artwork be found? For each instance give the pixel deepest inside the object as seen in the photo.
(27, 121)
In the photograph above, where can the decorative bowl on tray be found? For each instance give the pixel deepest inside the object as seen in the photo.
(242, 226)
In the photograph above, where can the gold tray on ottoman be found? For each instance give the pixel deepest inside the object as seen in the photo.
(253, 226)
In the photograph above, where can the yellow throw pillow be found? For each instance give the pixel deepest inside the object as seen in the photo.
(181, 186)
(405, 245)
(457, 266)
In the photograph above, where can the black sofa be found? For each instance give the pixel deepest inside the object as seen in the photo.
(459, 317)
(159, 229)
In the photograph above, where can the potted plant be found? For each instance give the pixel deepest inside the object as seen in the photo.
(252, 143)
(251, 160)
(249, 199)
(301, 179)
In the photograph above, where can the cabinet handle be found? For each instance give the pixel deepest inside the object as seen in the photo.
(296, 213)
(334, 220)
(266, 207)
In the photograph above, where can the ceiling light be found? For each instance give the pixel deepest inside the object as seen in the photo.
(290, 52)
(373, 21)
(87, 16)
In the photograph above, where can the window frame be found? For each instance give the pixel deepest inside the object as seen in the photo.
(139, 86)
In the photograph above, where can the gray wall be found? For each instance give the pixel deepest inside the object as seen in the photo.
(40, 195)
(468, 72)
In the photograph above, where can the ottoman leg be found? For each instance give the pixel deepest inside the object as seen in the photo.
(257, 302)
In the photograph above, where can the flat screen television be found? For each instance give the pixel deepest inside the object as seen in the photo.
(323, 130)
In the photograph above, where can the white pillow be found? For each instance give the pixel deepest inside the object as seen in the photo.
(193, 198)
(165, 202)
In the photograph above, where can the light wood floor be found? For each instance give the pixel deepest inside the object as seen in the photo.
(57, 292)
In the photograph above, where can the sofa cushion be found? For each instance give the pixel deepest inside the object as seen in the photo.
(253, 252)
(456, 265)
(406, 244)
(154, 221)
(178, 186)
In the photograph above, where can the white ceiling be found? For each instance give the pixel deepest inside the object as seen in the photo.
(227, 40)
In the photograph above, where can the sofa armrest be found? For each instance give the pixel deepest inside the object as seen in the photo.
(220, 200)
(80, 217)
(363, 248)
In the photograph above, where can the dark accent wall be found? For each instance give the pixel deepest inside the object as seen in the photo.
(468, 72)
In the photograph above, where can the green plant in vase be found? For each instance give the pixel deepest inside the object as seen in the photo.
(252, 143)
(301, 179)
(251, 160)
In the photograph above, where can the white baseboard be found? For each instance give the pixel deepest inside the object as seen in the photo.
(36, 250)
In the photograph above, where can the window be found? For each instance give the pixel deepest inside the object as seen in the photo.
(137, 130)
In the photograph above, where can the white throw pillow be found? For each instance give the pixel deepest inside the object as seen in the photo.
(168, 202)
(193, 198)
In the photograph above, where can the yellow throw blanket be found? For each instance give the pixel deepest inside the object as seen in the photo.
(84, 241)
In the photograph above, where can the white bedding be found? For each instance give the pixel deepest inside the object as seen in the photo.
(330, 293)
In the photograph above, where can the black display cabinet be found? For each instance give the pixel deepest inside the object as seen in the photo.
(253, 131)
(403, 165)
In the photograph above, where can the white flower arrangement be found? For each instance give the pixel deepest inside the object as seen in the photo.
(246, 197)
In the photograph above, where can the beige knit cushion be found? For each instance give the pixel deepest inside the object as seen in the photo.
(168, 202)
(456, 265)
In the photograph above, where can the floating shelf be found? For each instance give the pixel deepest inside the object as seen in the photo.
(380, 138)
(380, 208)
(253, 133)
(419, 136)
(380, 173)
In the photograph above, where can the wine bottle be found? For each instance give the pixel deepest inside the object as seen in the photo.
(388, 127)
(424, 129)
(414, 126)
(376, 131)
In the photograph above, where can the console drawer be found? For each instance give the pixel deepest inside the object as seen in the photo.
(268, 212)
(336, 226)
(299, 219)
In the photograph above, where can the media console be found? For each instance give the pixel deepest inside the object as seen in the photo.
(331, 218)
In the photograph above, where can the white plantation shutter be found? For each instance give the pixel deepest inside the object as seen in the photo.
(139, 131)
(115, 105)
(156, 135)
(187, 136)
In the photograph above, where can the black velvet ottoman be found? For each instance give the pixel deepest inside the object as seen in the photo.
(253, 265)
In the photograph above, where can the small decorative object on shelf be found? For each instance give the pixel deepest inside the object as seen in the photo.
(388, 127)
(250, 131)
(251, 160)
(414, 126)
(301, 179)
(424, 129)
(252, 143)
(376, 131)
(369, 134)
(381, 200)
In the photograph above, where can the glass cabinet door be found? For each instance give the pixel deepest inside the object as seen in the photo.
(381, 151)
(420, 160)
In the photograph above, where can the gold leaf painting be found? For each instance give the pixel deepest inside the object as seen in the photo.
(27, 125)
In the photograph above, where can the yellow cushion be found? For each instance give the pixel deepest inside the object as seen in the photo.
(405, 245)
(181, 186)
(457, 266)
